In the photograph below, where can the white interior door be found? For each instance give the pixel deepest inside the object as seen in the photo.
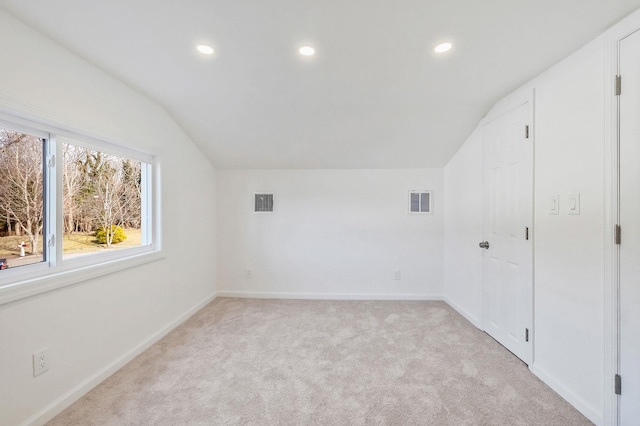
(507, 262)
(629, 220)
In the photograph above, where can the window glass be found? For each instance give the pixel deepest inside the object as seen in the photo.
(102, 202)
(21, 199)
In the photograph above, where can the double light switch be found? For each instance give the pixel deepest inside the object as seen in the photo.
(573, 204)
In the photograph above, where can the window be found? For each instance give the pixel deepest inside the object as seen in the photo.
(263, 203)
(421, 202)
(69, 203)
(102, 201)
(21, 198)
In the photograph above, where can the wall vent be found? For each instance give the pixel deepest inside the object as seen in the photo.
(421, 202)
(263, 203)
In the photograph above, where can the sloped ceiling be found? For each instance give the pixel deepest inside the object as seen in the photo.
(375, 95)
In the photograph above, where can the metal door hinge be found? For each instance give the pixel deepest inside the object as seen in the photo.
(526, 334)
(618, 385)
(618, 85)
(526, 232)
(618, 234)
(526, 131)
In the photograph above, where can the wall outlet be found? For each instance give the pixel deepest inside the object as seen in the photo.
(248, 273)
(396, 274)
(40, 362)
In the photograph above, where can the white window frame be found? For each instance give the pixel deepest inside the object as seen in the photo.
(421, 191)
(55, 271)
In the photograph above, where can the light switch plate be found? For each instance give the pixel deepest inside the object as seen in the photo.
(573, 203)
(554, 204)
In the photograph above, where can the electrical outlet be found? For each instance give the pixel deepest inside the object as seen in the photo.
(248, 273)
(40, 362)
(396, 274)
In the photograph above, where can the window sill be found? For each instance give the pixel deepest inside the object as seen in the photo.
(34, 283)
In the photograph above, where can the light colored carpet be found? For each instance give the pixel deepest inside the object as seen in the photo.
(295, 362)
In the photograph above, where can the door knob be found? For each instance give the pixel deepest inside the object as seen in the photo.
(484, 244)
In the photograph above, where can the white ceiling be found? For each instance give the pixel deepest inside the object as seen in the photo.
(374, 96)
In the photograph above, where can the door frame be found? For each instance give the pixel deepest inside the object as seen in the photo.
(519, 98)
(612, 41)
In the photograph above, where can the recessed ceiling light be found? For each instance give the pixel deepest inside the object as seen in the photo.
(443, 47)
(203, 48)
(307, 50)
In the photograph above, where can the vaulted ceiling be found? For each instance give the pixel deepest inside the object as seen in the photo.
(375, 94)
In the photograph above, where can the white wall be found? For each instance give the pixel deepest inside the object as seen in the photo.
(92, 327)
(569, 251)
(334, 233)
(463, 229)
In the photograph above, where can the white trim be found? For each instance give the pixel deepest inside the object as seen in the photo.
(589, 411)
(471, 318)
(532, 231)
(26, 112)
(64, 401)
(49, 279)
(610, 159)
(22, 127)
(156, 227)
(96, 144)
(326, 296)
(612, 38)
(55, 204)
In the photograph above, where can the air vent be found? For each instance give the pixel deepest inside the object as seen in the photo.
(263, 203)
(421, 202)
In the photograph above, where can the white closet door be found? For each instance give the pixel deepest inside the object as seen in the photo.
(508, 217)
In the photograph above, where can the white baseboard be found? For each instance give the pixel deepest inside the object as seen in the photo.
(596, 416)
(471, 318)
(64, 401)
(326, 296)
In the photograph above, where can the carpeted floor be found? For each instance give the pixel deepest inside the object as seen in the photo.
(295, 362)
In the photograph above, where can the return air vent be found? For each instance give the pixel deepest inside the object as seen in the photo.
(263, 203)
(421, 202)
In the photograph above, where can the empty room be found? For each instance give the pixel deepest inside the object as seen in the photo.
(319, 213)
